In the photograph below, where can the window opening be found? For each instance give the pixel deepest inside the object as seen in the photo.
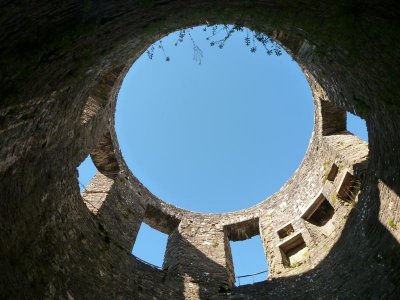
(323, 214)
(333, 172)
(285, 231)
(349, 187)
(249, 261)
(150, 246)
(86, 171)
(319, 212)
(293, 250)
(357, 126)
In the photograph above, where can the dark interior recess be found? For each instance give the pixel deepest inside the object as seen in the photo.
(323, 214)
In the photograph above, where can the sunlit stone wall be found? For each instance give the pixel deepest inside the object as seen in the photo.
(61, 69)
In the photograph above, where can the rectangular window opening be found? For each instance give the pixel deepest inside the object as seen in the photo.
(333, 172)
(348, 187)
(285, 231)
(249, 260)
(150, 246)
(319, 212)
(323, 214)
(293, 250)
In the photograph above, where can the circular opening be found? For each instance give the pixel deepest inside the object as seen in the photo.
(214, 128)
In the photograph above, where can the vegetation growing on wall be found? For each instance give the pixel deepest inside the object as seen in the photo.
(338, 35)
(218, 37)
(392, 224)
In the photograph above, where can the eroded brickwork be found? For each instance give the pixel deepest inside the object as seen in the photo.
(61, 68)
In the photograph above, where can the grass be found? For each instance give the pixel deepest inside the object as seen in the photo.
(392, 224)
(294, 265)
(352, 203)
(333, 199)
(306, 255)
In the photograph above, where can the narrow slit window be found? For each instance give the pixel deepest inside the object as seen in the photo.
(333, 172)
(150, 245)
(249, 261)
(357, 126)
(86, 171)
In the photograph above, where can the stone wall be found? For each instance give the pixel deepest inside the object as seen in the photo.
(199, 251)
(61, 69)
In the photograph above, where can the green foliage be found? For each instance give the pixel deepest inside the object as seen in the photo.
(219, 36)
(353, 203)
(392, 224)
(294, 265)
(346, 31)
(333, 199)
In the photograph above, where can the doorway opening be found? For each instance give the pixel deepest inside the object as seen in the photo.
(249, 261)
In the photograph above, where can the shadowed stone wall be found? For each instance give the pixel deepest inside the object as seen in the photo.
(199, 250)
(61, 68)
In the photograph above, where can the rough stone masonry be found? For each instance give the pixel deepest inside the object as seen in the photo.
(331, 232)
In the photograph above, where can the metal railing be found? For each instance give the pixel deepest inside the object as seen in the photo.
(237, 277)
(250, 275)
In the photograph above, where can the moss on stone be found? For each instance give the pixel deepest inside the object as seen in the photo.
(392, 224)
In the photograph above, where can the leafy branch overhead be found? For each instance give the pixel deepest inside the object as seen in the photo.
(219, 36)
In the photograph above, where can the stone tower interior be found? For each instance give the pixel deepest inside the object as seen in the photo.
(331, 232)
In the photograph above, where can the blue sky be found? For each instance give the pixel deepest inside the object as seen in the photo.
(213, 137)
